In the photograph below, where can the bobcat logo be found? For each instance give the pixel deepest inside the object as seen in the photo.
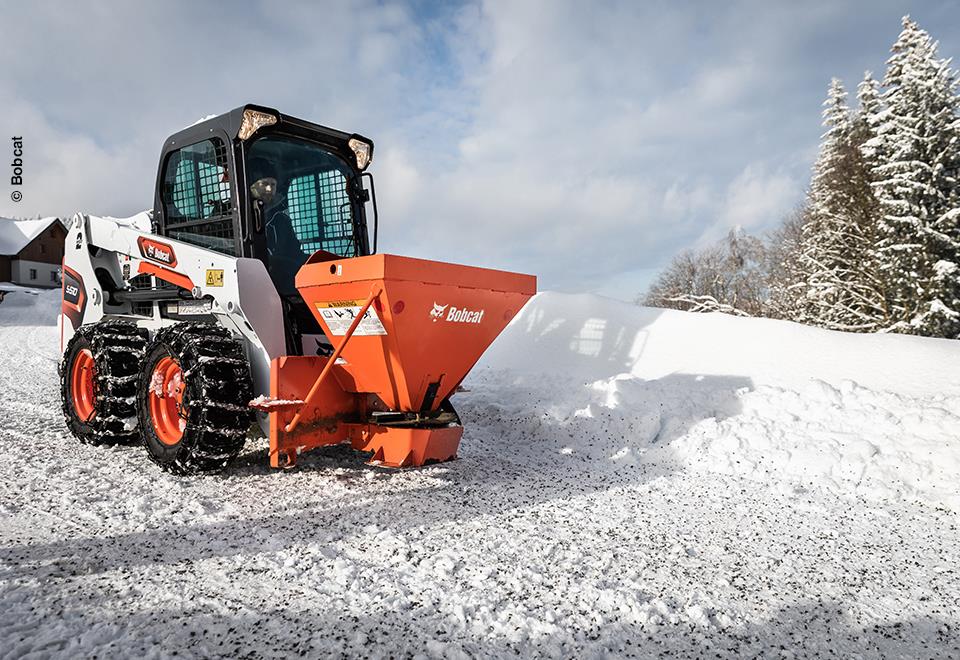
(438, 311)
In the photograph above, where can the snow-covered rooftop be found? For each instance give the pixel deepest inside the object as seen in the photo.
(17, 234)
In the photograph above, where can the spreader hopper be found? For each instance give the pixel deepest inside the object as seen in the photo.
(405, 332)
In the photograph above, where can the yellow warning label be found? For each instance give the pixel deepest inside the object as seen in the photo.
(340, 303)
(215, 278)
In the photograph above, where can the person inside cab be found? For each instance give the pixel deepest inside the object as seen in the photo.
(285, 253)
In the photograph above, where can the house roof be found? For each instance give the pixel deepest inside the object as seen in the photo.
(17, 234)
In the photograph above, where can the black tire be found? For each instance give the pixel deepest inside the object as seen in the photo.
(117, 348)
(217, 389)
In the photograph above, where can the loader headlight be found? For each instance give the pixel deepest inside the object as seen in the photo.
(362, 150)
(254, 120)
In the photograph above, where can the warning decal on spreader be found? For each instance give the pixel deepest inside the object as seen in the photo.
(339, 314)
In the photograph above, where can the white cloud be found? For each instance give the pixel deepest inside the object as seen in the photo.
(66, 171)
(581, 163)
(753, 198)
(582, 142)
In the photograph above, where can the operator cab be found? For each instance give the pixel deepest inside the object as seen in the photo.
(256, 183)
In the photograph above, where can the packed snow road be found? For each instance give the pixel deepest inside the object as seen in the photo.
(620, 491)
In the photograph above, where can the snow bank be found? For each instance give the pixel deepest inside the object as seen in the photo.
(795, 407)
(594, 337)
(29, 307)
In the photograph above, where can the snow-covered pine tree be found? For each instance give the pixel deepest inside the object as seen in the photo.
(866, 212)
(870, 115)
(837, 288)
(915, 157)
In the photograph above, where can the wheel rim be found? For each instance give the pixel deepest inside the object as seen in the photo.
(81, 385)
(167, 413)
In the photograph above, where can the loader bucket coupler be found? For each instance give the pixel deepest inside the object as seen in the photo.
(405, 333)
(428, 324)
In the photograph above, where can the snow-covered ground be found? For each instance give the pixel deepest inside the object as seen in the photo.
(631, 482)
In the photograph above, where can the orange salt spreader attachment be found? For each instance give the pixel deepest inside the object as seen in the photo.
(405, 332)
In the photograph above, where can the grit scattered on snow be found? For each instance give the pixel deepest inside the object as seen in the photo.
(631, 482)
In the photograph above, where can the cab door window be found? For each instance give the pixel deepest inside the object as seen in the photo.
(196, 197)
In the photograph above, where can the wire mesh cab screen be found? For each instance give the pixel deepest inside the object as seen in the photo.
(196, 197)
(311, 210)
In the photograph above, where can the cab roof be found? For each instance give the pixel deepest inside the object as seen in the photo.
(229, 123)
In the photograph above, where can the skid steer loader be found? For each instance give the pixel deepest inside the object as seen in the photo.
(253, 295)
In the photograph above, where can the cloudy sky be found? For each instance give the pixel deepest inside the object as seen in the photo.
(583, 142)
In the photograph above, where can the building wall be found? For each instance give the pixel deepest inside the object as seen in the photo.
(47, 247)
(47, 274)
(43, 254)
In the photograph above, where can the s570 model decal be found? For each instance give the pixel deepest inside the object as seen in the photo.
(74, 297)
(157, 251)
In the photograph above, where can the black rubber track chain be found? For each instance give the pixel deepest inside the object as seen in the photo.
(218, 390)
(118, 348)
